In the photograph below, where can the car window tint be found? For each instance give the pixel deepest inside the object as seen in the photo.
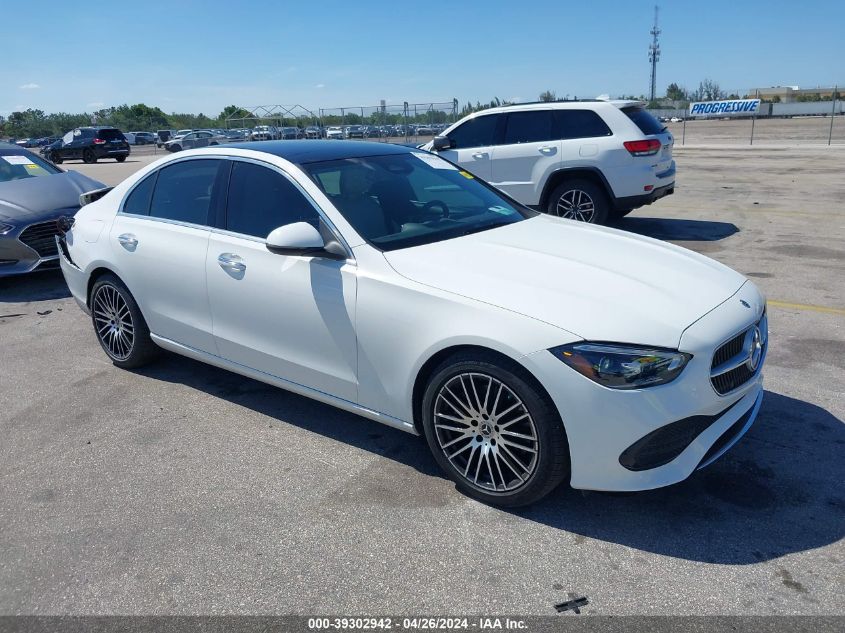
(261, 199)
(183, 191)
(110, 134)
(644, 120)
(529, 127)
(138, 201)
(579, 124)
(476, 132)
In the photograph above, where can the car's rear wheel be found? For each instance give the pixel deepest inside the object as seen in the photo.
(89, 157)
(119, 325)
(175, 148)
(120, 159)
(581, 200)
(493, 431)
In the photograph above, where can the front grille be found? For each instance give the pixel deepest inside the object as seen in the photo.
(729, 369)
(41, 238)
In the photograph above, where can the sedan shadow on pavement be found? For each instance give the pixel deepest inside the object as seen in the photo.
(778, 491)
(679, 230)
(39, 286)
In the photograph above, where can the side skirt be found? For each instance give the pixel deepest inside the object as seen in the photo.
(281, 383)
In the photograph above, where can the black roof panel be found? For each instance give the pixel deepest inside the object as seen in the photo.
(316, 150)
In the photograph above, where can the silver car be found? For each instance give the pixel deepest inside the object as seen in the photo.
(33, 195)
(192, 140)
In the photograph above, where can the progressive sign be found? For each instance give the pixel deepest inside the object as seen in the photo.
(725, 108)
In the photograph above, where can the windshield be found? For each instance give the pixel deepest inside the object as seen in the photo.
(21, 166)
(403, 200)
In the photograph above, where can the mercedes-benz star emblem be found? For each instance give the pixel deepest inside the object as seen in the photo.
(755, 351)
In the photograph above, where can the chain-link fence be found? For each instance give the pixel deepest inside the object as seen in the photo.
(786, 116)
(405, 122)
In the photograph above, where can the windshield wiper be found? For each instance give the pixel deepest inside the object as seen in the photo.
(492, 225)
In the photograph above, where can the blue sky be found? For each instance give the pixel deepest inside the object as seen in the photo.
(191, 56)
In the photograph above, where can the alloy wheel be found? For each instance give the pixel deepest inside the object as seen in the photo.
(486, 432)
(113, 322)
(576, 204)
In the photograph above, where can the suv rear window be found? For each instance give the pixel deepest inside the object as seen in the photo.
(644, 120)
(110, 134)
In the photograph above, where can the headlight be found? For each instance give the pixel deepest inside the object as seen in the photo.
(622, 366)
(5, 228)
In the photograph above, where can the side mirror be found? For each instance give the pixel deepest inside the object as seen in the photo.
(441, 143)
(300, 238)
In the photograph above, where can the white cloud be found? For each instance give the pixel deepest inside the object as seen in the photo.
(96, 104)
(320, 86)
(29, 86)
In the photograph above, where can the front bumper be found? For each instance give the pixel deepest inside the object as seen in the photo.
(602, 424)
(18, 258)
(75, 277)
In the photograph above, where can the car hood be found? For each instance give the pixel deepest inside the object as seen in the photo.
(600, 284)
(30, 198)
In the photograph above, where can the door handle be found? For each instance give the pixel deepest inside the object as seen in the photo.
(547, 149)
(231, 263)
(479, 155)
(128, 241)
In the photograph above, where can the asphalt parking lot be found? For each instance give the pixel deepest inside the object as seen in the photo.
(186, 489)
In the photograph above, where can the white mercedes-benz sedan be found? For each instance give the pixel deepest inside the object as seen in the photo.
(386, 281)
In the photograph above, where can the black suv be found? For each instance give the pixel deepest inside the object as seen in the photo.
(90, 144)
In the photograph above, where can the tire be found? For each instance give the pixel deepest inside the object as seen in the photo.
(175, 148)
(120, 159)
(497, 472)
(579, 199)
(119, 325)
(89, 157)
(618, 214)
(55, 158)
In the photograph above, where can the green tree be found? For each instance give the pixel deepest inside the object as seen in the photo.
(547, 96)
(675, 93)
(233, 112)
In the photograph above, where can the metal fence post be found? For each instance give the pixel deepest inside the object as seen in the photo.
(754, 118)
(832, 114)
(684, 132)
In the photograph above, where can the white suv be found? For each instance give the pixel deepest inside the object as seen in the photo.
(586, 160)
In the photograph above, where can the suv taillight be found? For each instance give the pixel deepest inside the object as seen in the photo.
(643, 148)
(99, 141)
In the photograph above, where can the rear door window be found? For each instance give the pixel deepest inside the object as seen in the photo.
(477, 132)
(183, 191)
(138, 202)
(528, 127)
(571, 124)
(644, 120)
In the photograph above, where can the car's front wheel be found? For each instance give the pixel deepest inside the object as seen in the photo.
(119, 325)
(89, 157)
(493, 431)
(581, 200)
(56, 158)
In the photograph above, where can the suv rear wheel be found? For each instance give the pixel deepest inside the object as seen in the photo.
(579, 199)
